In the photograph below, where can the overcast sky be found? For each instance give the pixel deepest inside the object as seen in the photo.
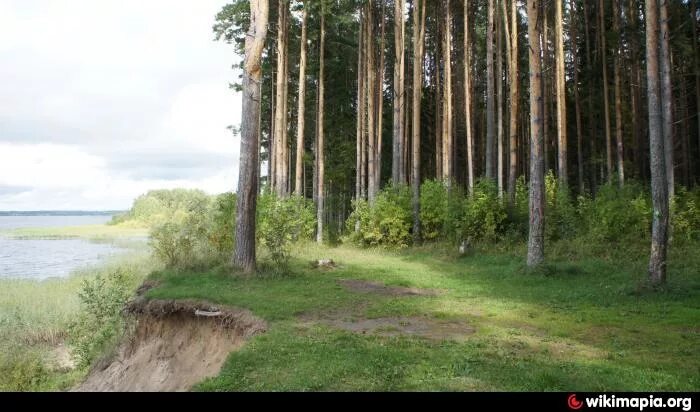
(102, 100)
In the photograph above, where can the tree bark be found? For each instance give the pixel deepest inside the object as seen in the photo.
(499, 105)
(320, 150)
(468, 102)
(513, 84)
(418, 49)
(360, 111)
(606, 93)
(659, 184)
(535, 249)
(301, 106)
(398, 168)
(490, 94)
(577, 97)
(447, 99)
(371, 108)
(380, 106)
(618, 97)
(279, 181)
(244, 255)
(667, 96)
(563, 173)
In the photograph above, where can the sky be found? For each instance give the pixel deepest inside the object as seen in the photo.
(101, 101)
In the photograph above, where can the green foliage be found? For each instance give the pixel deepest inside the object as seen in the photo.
(386, 223)
(434, 209)
(484, 215)
(160, 206)
(184, 241)
(282, 221)
(616, 213)
(99, 322)
(561, 218)
(221, 233)
(22, 371)
(686, 215)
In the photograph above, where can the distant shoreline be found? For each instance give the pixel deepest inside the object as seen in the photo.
(60, 212)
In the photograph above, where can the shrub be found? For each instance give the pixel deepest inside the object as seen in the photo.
(281, 221)
(99, 323)
(22, 371)
(561, 219)
(385, 223)
(223, 224)
(686, 215)
(484, 216)
(160, 206)
(183, 242)
(617, 213)
(434, 209)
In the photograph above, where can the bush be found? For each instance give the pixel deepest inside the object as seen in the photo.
(433, 211)
(99, 323)
(561, 218)
(184, 241)
(22, 371)
(281, 221)
(484, 216)
(385, 223)
(686, 215)
(617, 213)
(160, 206)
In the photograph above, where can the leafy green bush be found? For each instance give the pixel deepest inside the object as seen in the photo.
(484, 216)
(99, 323)
(385, 223)
(616, 213)
(561, 218)
(282, 221)
(686, 215)
(434, 209)
(223, 225)
(184, 241)
(160, 206)
(22, 371)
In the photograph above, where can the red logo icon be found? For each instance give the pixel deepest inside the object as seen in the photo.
(574, 403)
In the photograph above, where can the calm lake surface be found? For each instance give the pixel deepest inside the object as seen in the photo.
(46, 258)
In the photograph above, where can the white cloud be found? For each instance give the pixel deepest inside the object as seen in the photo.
(104, 100)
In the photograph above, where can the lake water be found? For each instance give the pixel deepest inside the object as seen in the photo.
(46, 258)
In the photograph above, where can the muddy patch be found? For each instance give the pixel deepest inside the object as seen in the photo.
(424, 327)
(175, 345)
(364, 286)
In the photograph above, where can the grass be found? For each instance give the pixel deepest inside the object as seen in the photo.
(34, 322)
(92, 232)
(583, 322)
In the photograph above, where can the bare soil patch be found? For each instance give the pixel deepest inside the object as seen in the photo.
(176, 344)
(364, 286)
(424, 327)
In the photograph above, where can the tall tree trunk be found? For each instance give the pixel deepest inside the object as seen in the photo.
(380, 106)
(696, 64)
(667, 96)
(447, 99)
(606, 93)
(418, 49)
(545, 90)
(439, 105)
(618, 96)
(468, 102)
(360, 111)
(371, 108)
(577, 96)
(499, 105)
(563, 173)
(301, 106)
(398, 168)
(635, 80)
(490, 93)
(535, 247)
(591, 119)
(659, 184)
(320, 150)
(244, 256)
(513, 76)
(280, 109)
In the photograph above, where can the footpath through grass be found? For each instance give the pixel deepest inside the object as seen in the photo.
(581, 323)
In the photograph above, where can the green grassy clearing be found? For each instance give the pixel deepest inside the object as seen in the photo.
(583, 322)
